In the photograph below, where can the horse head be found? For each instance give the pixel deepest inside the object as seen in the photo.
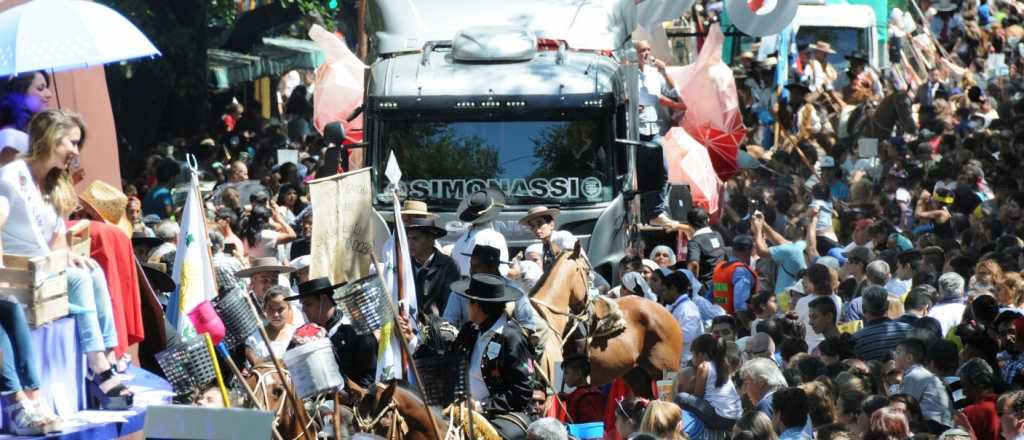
(566, 284)
(394, 412)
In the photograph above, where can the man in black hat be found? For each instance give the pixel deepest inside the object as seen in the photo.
(495, 355)
(865, 82)
(486, 260)
(432, 270)
(479, 210)
(356, 354)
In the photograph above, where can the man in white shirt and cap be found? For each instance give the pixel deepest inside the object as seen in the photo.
(479, 210)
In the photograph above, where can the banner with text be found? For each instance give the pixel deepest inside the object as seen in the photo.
(342, 235)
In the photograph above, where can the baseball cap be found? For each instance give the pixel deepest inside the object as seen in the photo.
(861, 253)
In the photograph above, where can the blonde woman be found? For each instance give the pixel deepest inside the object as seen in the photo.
(663, 419)
(1011, 292)
(41, 193)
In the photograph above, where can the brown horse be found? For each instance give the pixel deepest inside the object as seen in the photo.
(271, 395)
(650, 344)
(395, 413)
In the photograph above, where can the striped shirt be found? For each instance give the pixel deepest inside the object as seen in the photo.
(878, 339)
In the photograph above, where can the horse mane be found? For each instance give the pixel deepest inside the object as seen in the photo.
(547, 273)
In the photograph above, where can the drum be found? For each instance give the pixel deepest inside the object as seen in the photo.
(313, 368)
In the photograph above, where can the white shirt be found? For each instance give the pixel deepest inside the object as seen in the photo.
(897, 287)
(32, 222)
(14, 138)
(803, 312)
(255, 342)
(652, 85)
(948, 315)
(483, 234)
(687, 314)
(724, 399)
(483, 347)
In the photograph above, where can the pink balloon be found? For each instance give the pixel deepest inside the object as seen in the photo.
(205, 320)
(689, 163)
(338, 89)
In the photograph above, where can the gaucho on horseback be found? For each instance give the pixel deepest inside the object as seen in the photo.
(494, 354)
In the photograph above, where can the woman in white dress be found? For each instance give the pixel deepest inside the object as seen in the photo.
(278, 313)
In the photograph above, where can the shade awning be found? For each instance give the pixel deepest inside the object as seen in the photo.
(281, 55)
(228, 68)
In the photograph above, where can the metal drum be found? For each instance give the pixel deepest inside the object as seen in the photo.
(313, 368)
(364, 303)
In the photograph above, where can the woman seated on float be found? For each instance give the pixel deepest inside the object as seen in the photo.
(711, 396)
(41, 194)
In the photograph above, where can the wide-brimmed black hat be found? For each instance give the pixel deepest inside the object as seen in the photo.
(489, 254)
(482, 206)
(486, 288)
(315, 287)
(158, 278)
(857, 55)
(426, 225)
(142, 241)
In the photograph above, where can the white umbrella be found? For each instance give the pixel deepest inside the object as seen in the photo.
(66, 34)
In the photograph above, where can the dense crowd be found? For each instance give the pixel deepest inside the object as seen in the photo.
(836, 294)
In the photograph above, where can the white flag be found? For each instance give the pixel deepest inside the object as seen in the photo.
(193, 270)
(397, 263)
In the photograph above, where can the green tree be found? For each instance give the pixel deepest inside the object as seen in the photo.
(435, 151)
(568, 150)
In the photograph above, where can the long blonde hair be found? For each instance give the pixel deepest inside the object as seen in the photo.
(45, 132)
(663, 420)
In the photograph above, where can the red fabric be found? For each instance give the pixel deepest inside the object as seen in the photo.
(585, 405)
(618, 390)
(755, 5)
(983, 418)
(113, 251)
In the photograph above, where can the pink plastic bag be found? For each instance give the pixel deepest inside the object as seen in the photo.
(339, 82)
(205, 320)
(713, 116)
(690, 164)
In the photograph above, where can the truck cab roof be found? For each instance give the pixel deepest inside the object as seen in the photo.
(437, 73)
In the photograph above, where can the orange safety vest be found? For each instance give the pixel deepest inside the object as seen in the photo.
(721, 283)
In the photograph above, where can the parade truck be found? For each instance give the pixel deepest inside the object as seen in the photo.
(530, 97)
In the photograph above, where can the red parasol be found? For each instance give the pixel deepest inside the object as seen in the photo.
(713, 116)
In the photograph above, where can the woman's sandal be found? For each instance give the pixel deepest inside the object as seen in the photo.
(25, 419)
(114, 399)
(53, 422)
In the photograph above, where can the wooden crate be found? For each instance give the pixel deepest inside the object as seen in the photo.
(39, 284)
(78, 238)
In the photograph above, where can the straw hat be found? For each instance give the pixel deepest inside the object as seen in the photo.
(539, 211)
(264, 264)
(417, 207)
(109, 203)
(823, 46)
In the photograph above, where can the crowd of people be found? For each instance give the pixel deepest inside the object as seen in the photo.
(836, 294)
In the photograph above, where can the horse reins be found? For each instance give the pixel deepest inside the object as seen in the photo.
(261, 384)
(398, 424)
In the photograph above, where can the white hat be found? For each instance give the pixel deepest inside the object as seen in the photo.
(300, 262)
(826, 162)
(945, 6)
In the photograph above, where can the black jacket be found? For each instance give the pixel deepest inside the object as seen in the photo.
(432, 282)
(707, 249)
(509, 375)
(356, 355)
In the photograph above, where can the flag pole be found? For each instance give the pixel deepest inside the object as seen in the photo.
(401, 337)
(216, 370)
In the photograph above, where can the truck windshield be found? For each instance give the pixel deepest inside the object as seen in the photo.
(555, 162)
(844, 40)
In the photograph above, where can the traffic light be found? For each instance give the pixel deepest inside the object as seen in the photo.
(332, 4)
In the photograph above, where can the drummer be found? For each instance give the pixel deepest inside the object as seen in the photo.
(356, 355)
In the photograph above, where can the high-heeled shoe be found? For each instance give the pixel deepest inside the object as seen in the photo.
(115, 399)
(25, 420)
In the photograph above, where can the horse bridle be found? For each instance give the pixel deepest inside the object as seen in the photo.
(398, 425)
